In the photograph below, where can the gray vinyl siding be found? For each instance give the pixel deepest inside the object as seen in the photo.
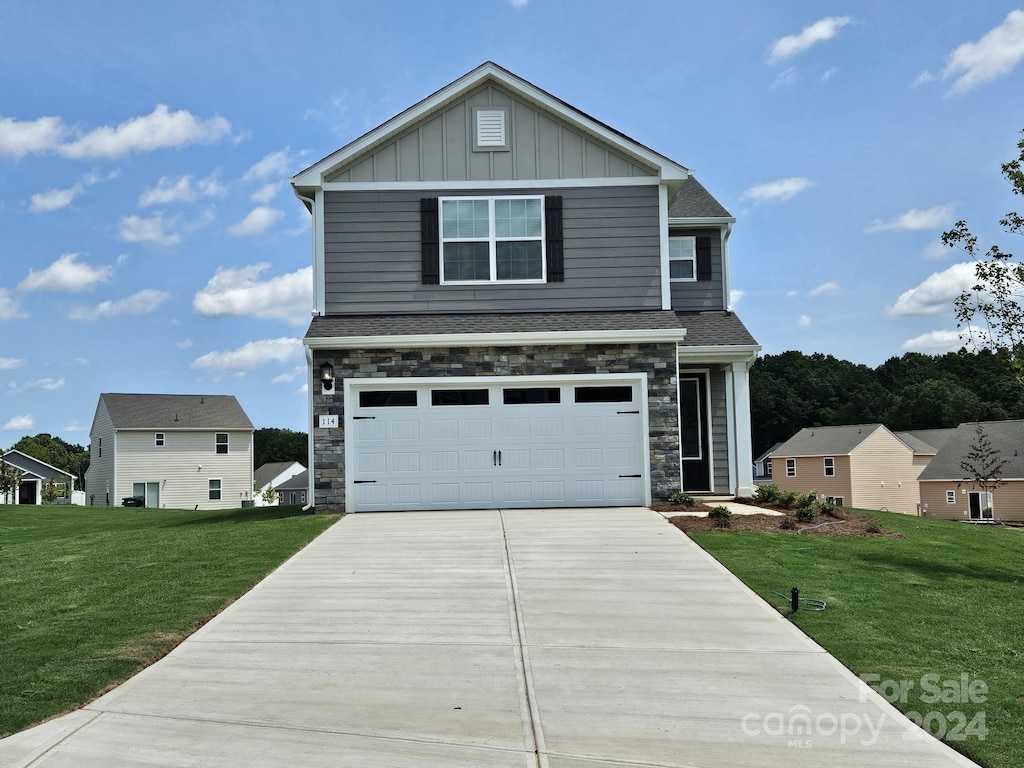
(720, 432)
(611, 248)
(441, 148)
(100, 474)
(702, 294)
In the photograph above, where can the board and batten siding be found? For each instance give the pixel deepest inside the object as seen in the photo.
(611, 243)
(719, 432)
(884, 474)
(701, 295)
(184, 465)
(441, 148)
(99, 477)
(1007, 500)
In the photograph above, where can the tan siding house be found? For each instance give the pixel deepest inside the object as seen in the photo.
(947, 490)
(174, 451)
(861, 465)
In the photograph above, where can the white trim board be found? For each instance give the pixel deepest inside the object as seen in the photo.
(497, 339)
(481, 184)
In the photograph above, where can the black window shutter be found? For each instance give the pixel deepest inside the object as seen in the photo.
(430, 254)
(703, 258)
(553, 238)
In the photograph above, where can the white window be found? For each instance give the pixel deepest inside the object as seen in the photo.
(158, 439)
(222, 442)
(215, 490)
(492, 240)
(790, 467)
(951, 497)
(768, 467)
(830, 466)
(682, 259)
(837, 500)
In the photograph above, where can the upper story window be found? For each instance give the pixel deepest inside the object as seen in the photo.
(158, 439)
(768, 467)
(790, 467)
(682, 258)
(222, 442)
(99, 447)
(830, 466)
(492, 239)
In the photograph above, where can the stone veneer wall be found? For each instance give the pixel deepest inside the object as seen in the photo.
(658, 361)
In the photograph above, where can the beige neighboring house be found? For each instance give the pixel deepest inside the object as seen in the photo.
(947, 490)
(174, 451)
(860, 465)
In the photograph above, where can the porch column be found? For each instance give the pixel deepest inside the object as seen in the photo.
(742, 447)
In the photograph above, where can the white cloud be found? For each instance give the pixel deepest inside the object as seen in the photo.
(9, 309)
(180, 190)
(936, 251)
(819, 31)
(20, 422)
(276, 165)
(735, 296)
(240, 292)
(790, 294)
(996, 54)
(48, 384)
(781, 190)
(65, 274)
(73, 428)
(54, 199)
(19, 138)
(265, 193)
(292, 375)
(519, 4)
(936, 342)
(931, 218)
(924, 77)
(10, 363)
(258, 220)
(185, 344)
(249, 356)
(135, 229)
(937, 292)
(804, 321)
(784, 78)
(829, 287)
(140, 303)
(828, 74)
(161, 129)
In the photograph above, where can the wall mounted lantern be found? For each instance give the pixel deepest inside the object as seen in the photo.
(327, 378)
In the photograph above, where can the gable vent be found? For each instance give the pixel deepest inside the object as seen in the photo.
(490, 128)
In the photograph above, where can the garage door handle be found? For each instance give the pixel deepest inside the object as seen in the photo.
(494, 458)
(637, 412)
(619, 476)
(499, 458)
(358, 482)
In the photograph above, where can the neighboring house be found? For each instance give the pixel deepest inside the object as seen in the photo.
(763, 465)
(862, 465)
(269, 476)
(516, 305)
(176, 451)
(295, 489)
(948, 490)
(36, 474)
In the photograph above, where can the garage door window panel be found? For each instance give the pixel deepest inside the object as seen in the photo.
(441, 397)
(531, 395)
(395, 398)
(604, 394)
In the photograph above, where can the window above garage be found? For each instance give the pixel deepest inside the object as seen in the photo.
(496, 239)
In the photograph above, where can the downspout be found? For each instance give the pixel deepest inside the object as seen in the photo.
(310, 501)
(726, 285)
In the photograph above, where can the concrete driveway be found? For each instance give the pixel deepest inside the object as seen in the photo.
(562, 638)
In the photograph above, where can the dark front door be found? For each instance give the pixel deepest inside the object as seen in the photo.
(694, 430)
(27, 493)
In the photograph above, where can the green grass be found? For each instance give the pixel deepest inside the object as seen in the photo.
(89, 596)
(946, 601)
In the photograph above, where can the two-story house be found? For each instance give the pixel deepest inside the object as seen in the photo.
(175, 451)
(517, 305)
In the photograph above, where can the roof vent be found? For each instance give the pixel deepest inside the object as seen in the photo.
(491, 132)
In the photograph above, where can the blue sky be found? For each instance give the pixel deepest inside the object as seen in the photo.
(149, 241)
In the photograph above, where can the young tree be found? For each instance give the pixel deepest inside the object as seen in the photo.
(991, 311)
(984, 463)
(10, 481)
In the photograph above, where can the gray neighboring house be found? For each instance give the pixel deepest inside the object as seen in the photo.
(269, 476)
(763, 465)
(295, 489)
(36, 474)
(516, 305)
(176, 451)
(949, 491)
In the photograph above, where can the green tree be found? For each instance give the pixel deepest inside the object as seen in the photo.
(272, 444)
(991, 311)
(10, 481)
(57, 453)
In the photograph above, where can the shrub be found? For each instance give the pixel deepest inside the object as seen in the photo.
(767, 494)
(787, 499)
(808, 499)
(721, 516)
(805, 514)
(826, 508)
(787, 524)
(682, 498)
(873, 529)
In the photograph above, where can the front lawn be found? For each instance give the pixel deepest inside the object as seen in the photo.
(934, 619)
(89, 596)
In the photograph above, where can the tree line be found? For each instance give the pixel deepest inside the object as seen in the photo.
(792, 390)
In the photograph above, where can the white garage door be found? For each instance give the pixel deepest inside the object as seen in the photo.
(483, 443)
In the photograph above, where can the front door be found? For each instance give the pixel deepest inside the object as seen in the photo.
(27, 492)
(694, 431)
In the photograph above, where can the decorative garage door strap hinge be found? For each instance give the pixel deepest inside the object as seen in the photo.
(619, 476)
(620, 412)
(357, 418)
(358, 482)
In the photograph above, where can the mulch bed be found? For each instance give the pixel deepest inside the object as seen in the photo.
(843, 523)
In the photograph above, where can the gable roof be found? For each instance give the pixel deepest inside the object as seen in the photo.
(771, 451)
(272, 469)
(313, 176)
(693, 201)
(175, 412)
(31, 465)
(926, 441)
(1006, 436)
(827, 441)
(299, 482)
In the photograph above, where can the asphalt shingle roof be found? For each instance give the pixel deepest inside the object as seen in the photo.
(693, 201)
(702, 328)
(267, 472)
(826, 441)
(927, 441)
(1006, 436)
(175, 412)
(299, 482)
